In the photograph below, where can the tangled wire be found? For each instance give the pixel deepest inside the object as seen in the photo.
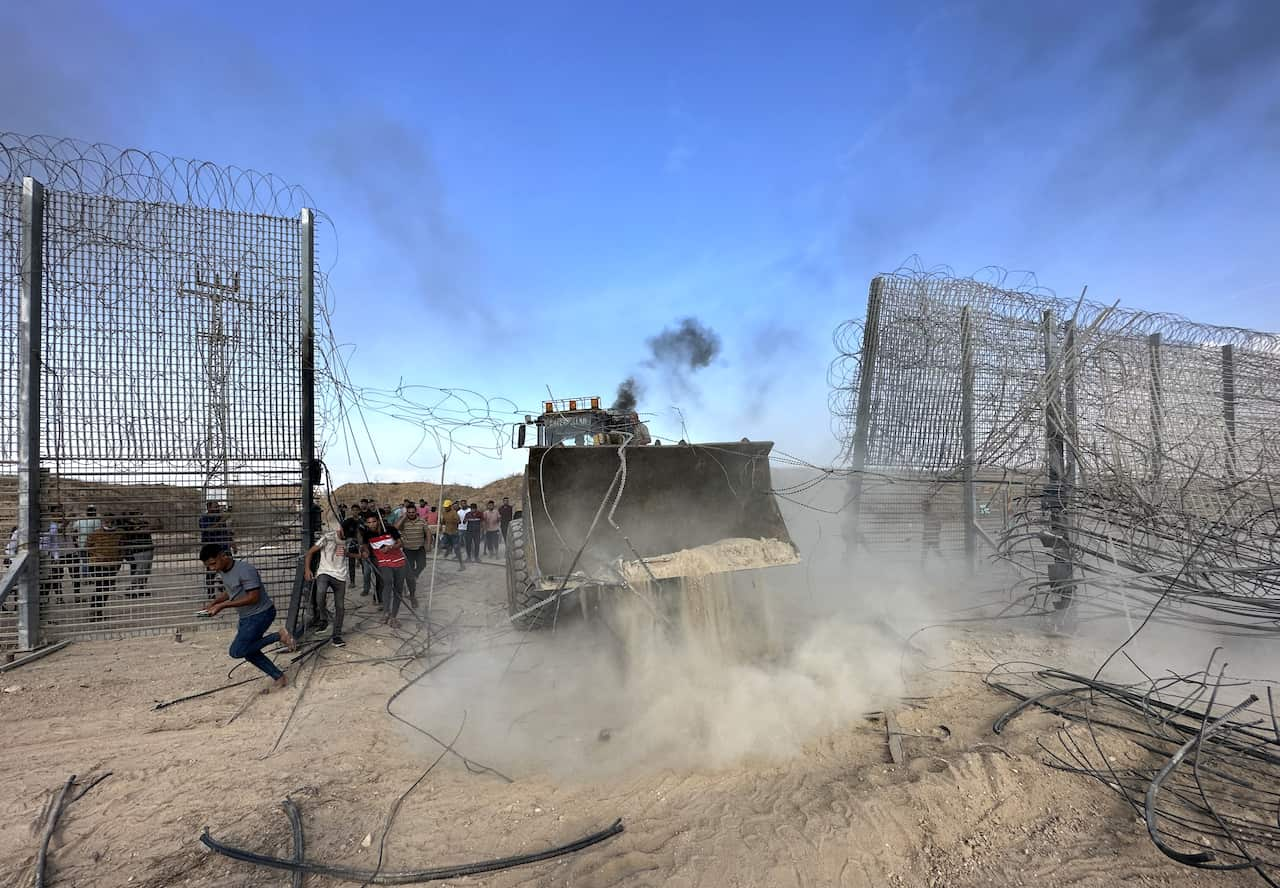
(1166, 447)
(1201, 772)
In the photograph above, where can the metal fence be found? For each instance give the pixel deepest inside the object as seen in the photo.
(164, 392)
(1090, 445)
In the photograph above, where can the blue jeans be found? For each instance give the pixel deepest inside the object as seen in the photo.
(250, 641)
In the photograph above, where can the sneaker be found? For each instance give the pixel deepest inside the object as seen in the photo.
(338, 642)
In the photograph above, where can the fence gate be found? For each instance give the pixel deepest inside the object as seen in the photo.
(166, 310)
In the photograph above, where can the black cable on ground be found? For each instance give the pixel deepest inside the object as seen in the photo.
(409, 877)
(63, 800)
(299, 845)
(196, 696)
(42, 857)
(1201, 858)
(91, 784)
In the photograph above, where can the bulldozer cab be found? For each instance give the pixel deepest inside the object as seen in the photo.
(580, 422)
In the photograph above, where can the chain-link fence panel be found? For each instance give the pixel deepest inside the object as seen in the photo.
(171, 383)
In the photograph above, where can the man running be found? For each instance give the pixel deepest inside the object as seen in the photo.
(242, 589)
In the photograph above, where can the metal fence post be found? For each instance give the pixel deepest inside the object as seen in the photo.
(862, 426)
(1070, 372)
(967, 436)
(32, 247)
(1157, 405)
(1056, 492)
(307, 307)
(1229, 407)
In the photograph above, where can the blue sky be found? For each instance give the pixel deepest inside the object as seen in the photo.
(537, 189)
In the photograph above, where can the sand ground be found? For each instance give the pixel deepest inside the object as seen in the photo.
(968, 808)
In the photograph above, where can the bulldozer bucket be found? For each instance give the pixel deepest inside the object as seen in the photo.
(668, 498)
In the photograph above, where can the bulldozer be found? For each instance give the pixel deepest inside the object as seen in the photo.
(603, 500)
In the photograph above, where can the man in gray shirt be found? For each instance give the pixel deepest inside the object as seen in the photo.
(243, 590)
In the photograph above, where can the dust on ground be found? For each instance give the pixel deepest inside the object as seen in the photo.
(967, 808)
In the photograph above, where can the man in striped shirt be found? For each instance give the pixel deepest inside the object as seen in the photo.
(413, 536)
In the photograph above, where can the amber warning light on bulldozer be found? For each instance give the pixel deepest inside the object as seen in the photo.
(595, 403)
(548, 406)
(573, 405)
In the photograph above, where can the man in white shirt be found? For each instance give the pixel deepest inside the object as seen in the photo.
(331, 574)
(463, 511)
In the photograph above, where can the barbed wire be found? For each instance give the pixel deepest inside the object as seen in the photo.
(1168, 426)
(131, 174)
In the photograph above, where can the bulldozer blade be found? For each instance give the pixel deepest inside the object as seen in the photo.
(662, 499)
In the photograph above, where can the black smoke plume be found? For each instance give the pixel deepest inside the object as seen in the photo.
(690, 346)
(628, 395)
(675, 353)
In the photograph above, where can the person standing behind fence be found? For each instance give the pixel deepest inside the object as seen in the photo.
(214, 531)
(492, 523)
(413, 535)
(332, 574)
(105, 555)
(931, 537)
(383, 547)
(139, 552)
(52, 548)
(80, 563)
(243, 589)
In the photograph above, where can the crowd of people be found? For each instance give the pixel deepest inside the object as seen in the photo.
(389, 548)
(462, 530)
(89, 552)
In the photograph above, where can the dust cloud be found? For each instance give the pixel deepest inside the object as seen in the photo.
(739, 669)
